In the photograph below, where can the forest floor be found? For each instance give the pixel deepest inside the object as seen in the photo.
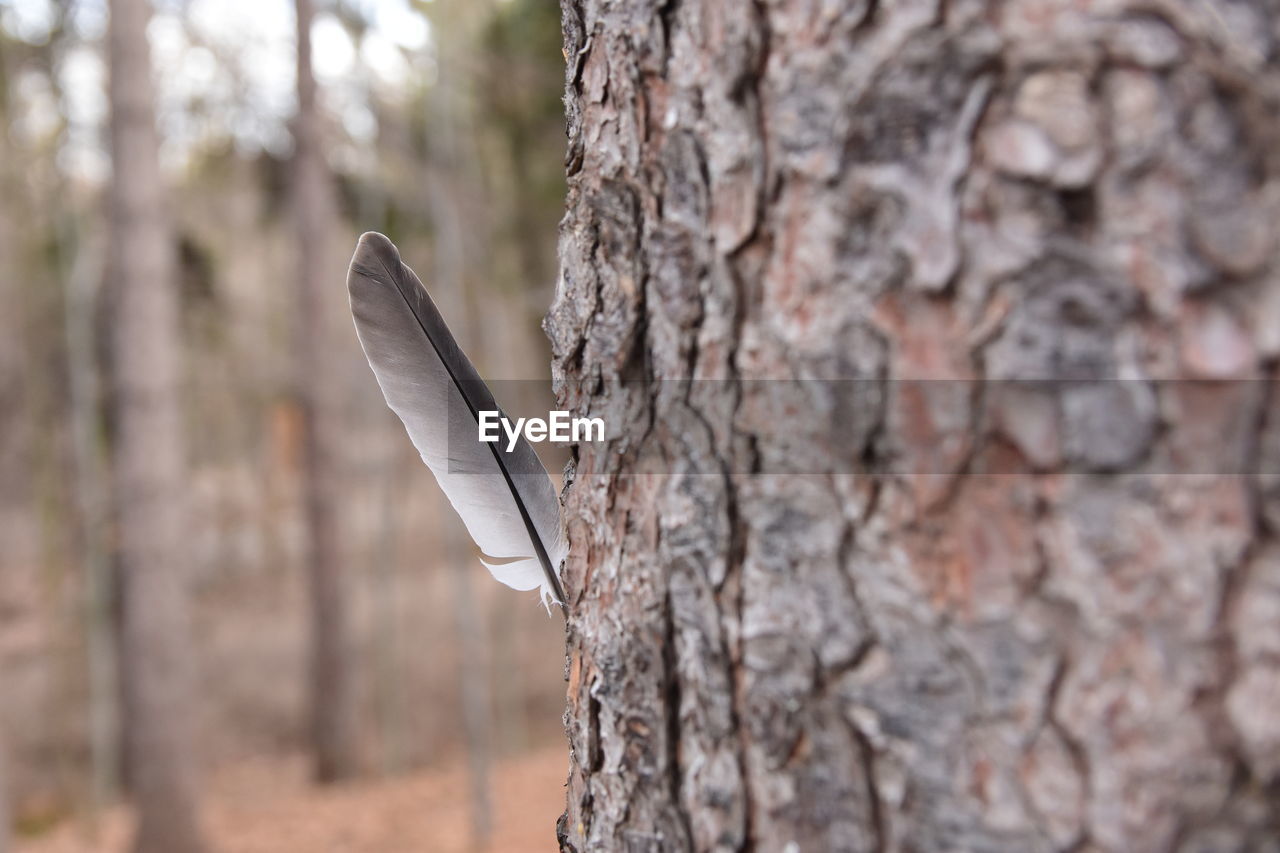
(269, 806)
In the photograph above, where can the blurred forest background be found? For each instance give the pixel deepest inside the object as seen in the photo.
(440, 124)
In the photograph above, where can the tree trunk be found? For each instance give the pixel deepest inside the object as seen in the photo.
(149, 458)
(9, 349)
(82, 273)
(332, 701)
(6, 822)
(1027, 605)
(460, 251)
(475, 701)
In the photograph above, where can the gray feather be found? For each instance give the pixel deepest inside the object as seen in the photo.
(505, 499)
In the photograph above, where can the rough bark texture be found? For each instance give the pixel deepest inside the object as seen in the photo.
(332, 701)
(149, 464)
(901, 649)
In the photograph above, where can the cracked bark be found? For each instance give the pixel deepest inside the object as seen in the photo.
(976, 614)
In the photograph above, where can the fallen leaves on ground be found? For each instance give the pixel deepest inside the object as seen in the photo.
(269, 806)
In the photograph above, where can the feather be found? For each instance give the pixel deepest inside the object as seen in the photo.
(505, 499)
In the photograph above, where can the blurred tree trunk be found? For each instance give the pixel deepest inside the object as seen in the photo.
(81, 273)
(473, 682)
(333, 709)
(390, 695)
(6, 819)
(460, 252)
(951, 615)
(149, 458)
(8, 329)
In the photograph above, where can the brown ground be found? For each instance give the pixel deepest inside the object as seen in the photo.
(268, 807)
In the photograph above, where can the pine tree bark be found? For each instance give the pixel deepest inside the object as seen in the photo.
(149, 464)
(985, 613)
(332, 700)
